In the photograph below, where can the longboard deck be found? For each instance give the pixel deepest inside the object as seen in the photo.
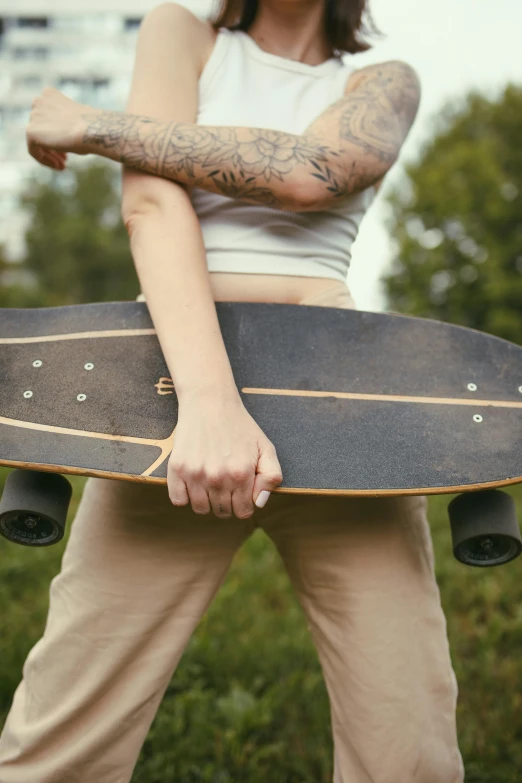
(354, 402)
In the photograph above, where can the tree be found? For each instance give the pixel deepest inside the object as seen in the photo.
(77, 248)
(457, 221)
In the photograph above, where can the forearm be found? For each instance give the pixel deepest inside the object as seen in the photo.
(254, 164)
(170, 261)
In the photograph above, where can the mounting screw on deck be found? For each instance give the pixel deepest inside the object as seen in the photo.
(28, 394)
(81, 397)
(472, 387)
(520, 389)
(37, 363)
(88, 366)
(477, 418)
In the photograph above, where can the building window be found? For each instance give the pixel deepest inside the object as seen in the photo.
(30, 53)
(82, 81)
(32, 21)
(70, 81)
(132, 23)
(15, 116)
(68, 24)
(29, 81)
(76, 80)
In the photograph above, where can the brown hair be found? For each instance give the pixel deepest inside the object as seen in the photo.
(345, 22)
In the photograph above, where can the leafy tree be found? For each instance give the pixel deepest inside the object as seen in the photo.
(16, 286)
(457, 221)
(77, 248)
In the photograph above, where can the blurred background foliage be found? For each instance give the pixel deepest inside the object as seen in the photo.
(77, 246)
(457, 220)
(248, 701)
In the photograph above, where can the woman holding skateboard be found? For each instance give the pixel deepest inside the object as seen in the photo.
(251, 151)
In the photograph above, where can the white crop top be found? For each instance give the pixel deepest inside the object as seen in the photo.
(242, 85)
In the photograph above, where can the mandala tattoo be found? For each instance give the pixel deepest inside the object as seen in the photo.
(381, 110)
(375, 118)
(348, 147)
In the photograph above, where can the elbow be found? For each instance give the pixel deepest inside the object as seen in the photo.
(306, 196)
(135, 213)
(144, 196)
(131, 219)
(312, 197)
(134, 220)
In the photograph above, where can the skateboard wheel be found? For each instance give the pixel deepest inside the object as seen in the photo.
(34, 507)
(484, 528)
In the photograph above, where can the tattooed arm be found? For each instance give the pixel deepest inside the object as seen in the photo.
(253, 164)
(350, 146)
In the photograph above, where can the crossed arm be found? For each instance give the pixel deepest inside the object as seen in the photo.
(349, 147)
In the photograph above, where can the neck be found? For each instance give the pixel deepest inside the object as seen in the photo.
(292, 29)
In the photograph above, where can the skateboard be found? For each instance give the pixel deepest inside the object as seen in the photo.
(355, 403)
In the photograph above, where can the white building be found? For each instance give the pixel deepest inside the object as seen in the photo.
(86, 50)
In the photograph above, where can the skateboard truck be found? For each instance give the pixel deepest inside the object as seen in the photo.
(34, 507)
(484, 528)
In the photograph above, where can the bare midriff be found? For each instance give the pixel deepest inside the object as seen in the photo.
(281, 289)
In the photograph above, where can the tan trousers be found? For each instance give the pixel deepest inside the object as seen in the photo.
(137, 576)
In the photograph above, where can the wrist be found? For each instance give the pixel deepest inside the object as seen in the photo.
(209, 395)
(91, 139)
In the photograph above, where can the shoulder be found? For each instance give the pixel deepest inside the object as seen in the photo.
(393, 86)
(392, 74)
(183, 23)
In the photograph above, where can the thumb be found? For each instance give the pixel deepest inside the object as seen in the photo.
(268, 474)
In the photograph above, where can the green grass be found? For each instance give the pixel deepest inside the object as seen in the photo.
(248, 701)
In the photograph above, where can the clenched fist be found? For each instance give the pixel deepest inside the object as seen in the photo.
(56, 127)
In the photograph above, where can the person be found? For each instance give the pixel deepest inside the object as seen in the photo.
(251, 148)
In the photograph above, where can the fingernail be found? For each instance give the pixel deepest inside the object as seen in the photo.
(262, 498)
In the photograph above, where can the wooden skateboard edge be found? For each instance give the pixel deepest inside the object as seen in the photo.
(447, 490)
(14, 311)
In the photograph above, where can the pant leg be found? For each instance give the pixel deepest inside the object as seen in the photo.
(363, 571)
(137, 575)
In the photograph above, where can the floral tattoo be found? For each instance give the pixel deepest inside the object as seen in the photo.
(348, 147)
(237, 161)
